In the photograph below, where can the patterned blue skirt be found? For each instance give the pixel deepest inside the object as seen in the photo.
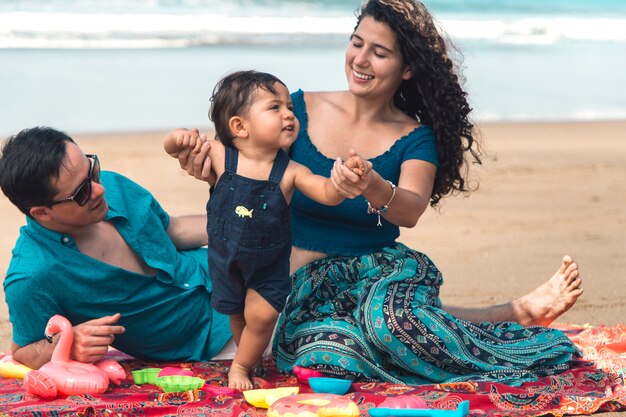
(379, 317)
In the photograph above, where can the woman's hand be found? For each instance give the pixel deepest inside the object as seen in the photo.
(348, 183)
(197, 162)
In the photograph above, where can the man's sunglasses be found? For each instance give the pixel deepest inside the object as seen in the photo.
(83, 192)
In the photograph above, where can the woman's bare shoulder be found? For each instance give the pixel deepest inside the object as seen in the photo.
(409, 122)
(402, 121)
(324, 99)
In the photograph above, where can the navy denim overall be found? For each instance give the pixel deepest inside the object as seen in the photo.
(249, 237)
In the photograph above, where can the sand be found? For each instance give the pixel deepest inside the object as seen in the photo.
(545, 190)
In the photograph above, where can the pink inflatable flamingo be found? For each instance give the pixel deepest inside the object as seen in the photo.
(68, 377)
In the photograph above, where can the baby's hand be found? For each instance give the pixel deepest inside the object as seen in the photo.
(189, 139)
(179, 139)
(358, 165)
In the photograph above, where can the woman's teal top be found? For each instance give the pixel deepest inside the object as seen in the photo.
(347, 229)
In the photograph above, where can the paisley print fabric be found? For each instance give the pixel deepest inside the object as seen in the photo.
(378, 317)
(594, 384)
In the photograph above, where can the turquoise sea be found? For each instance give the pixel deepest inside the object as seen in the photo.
(120, 65)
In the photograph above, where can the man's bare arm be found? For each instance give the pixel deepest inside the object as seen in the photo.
(188, 232)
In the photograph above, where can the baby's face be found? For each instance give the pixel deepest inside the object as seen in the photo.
(270, 119)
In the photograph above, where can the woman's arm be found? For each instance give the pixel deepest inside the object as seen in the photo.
(410, 198)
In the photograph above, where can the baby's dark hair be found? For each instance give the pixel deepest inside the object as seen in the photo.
(233, 95)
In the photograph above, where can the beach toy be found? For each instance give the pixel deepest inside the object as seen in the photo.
(68, 377)
(169, 379)
(403, 401)
(303, 374)
(215, 390)
(329, 385)
(153, 376)
(179, 383)
(461, 411)
(146, 375)
(171, 371)
(10, 368)
(263, 398)
(311, 405)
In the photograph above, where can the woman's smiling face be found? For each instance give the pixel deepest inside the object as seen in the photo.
(374, 62)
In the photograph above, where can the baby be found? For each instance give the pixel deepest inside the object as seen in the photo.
(248, 210)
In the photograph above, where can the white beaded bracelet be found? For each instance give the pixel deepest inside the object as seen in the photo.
(373, 210)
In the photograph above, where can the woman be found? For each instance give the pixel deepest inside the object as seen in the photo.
(364, 306)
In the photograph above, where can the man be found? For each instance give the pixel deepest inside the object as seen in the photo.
(115, 264)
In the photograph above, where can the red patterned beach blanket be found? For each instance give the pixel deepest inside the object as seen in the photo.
(595, 384)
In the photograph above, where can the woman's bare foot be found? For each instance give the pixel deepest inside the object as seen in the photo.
(551, 299)
(239, 377)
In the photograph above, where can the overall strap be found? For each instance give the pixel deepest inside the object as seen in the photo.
(279, 167)
(232, 156)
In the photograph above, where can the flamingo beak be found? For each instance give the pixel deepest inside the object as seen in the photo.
(49, 339)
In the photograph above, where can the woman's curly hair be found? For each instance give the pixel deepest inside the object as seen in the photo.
(434, 95)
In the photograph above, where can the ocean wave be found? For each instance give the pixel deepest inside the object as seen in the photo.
(538, 30)
(583, 114)
(84, 30)
(70, 30)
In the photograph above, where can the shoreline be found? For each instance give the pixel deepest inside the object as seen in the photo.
(546, 189)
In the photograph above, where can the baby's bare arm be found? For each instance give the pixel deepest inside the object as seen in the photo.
(316, 187)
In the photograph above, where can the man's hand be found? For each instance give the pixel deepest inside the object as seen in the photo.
(198, 163)
(92, 338)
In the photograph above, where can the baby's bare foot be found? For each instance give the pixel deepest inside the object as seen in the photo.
(551, 299)
(239, 377)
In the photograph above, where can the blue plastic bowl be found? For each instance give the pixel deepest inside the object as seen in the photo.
(329, 385)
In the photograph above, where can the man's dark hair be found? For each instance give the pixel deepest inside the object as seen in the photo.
(30, 161)
(233, 95)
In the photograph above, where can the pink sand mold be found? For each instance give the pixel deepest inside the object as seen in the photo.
(215, 390)
(461, 411)
(172, 370)
(303, 374)
(403, 401)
